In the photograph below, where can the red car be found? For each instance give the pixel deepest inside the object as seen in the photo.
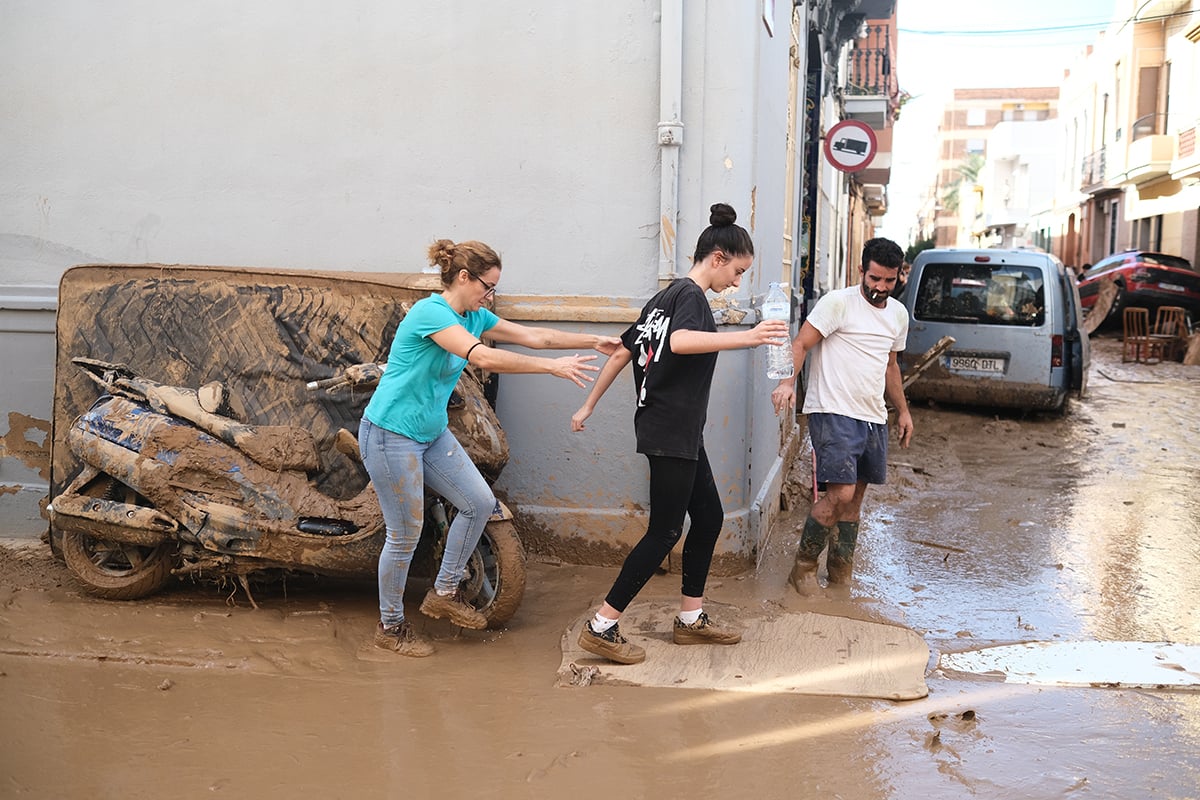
(1143, 280)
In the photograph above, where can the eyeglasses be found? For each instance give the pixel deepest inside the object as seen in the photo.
(491, 287)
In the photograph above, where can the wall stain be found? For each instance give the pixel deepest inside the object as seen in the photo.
(28, 440)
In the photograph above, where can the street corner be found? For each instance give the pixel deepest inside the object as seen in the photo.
(788, 653)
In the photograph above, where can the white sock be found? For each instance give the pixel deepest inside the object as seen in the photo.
(601, 624)
(690, 617)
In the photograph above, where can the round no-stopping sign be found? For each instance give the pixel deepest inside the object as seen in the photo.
(850, 145)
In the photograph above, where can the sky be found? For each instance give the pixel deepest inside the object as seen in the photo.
(965, 44)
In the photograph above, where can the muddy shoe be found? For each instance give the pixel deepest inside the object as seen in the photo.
(402, 639)
(454, 608)
(804, 576)
(611, 645)
(703, 631)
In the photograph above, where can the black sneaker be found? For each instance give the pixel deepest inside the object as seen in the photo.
(611, 645)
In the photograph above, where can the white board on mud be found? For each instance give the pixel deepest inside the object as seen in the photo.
(1147, 665)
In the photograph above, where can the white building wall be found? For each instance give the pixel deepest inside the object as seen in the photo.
(347, 137)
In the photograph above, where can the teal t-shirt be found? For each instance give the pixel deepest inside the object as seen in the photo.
(412, 394)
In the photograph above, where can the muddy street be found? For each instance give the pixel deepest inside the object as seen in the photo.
(995, 529)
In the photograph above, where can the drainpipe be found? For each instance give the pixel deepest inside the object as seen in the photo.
(670, 134)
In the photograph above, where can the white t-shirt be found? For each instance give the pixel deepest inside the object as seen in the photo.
(847, 369)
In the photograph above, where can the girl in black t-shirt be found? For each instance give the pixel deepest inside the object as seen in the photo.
(674, 346)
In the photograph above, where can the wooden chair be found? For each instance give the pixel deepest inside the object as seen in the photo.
(1137, 340)
(1170, 327)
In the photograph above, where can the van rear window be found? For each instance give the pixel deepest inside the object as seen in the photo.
(986, 294)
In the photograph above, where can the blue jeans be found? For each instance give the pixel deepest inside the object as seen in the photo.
(400, 468)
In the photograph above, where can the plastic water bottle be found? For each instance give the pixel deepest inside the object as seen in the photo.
(779, 356)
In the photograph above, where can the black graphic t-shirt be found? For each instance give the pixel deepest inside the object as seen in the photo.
(672, 390)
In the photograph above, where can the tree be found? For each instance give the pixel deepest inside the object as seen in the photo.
(968, 173)
(910, 254)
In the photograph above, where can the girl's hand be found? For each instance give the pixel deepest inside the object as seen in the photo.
(770, 331)
(575, 369)
(578, 418)
(607, 345)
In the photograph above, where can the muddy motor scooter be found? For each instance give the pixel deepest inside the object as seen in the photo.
(173, 484)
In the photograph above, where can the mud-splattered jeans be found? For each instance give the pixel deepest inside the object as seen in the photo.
(400, 468)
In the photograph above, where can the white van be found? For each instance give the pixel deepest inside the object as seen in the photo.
(1016, 321)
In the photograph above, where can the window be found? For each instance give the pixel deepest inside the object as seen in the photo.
(975, 145)
(1147, 233)
(987, 294)
(976, 117)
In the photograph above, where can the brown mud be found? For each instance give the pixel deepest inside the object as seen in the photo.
(995, 527)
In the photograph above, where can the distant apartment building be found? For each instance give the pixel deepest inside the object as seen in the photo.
(967, 123)
(1129, 176)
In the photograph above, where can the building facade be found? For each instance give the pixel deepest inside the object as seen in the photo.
(1130, 176)
(585, 142)
(967, 124)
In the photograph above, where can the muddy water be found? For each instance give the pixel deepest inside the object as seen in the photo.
(997, 530)
(1085, 526)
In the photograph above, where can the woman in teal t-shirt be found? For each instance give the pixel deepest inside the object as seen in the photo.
(405, 441)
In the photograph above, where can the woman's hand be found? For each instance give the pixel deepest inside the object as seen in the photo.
(578, 418)
(607, 345)
(770, 331)
(574, 368)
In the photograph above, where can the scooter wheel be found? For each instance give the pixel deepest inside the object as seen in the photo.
(495, 581)
(117, 570)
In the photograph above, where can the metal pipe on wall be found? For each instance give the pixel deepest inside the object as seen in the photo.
(670, 134)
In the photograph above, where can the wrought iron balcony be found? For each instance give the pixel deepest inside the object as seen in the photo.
(1093, 171)
(872, 93)
(870, 69)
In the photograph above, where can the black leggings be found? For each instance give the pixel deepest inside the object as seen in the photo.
(678, 486)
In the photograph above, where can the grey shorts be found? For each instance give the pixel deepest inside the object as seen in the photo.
(848, 450)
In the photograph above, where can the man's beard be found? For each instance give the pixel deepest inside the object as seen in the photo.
(875, 296)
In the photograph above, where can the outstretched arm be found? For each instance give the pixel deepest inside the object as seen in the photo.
(612, 368)
(551, 339)
(689, 342)
(458, 340)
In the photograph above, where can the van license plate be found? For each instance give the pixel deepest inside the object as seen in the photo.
(974, 364)
(1172, 287)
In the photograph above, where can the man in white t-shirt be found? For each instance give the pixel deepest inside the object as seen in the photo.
(853, 335)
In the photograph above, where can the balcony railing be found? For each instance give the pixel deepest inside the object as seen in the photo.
(1148, 125)
(870, 68)
(1093, 170)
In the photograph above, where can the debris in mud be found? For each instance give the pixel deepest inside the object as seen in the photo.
(951, 548)
(166, 684)
(583, 676)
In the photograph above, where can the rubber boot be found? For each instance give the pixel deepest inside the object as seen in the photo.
(812, 542)
(840, 560)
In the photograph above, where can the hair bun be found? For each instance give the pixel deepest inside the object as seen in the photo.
(721, 214)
